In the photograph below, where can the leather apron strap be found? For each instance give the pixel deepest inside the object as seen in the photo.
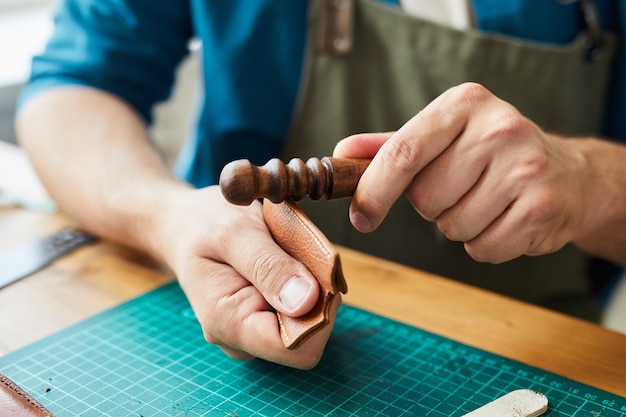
(376, 70)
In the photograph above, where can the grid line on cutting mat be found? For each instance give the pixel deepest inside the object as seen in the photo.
(148, 358)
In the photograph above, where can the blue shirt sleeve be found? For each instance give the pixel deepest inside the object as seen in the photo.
(128, 48)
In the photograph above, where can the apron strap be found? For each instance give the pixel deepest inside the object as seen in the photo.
(336, 34)
(589, 14)
(335, 31)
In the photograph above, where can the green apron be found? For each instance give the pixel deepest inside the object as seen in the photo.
(394, 66)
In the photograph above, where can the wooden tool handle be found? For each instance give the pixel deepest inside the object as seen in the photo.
(242, 182)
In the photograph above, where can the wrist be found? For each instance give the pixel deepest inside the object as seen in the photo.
(602, 232)
(147, 215)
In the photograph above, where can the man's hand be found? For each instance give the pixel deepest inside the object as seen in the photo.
(487, 176)
(236, 277)
(94, 156)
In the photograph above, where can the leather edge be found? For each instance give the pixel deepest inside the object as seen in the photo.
(18, 394)
(296, 330)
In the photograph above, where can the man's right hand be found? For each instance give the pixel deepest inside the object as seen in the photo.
(93, 154)
(236, 277)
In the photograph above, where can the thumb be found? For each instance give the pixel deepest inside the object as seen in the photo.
(285, 283)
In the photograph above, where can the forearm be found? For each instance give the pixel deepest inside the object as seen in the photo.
(604, 226)
(93, 154)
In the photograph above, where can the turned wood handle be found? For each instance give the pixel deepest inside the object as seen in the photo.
(242, 182)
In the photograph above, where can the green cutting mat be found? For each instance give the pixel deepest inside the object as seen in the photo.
(148, 358)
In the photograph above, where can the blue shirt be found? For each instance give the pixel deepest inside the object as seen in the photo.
(251, 62)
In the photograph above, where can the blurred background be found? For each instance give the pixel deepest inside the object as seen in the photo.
(24, 28)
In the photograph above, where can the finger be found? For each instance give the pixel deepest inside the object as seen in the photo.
(235, 316)
(258, 335)
(503, 180)
(284, 282)
(444, 182)
(470, 216)
(498, 242)
(527, 227)
(470, 184)
(306, 356)
(407, 152)
(361, 146)
(221, 300)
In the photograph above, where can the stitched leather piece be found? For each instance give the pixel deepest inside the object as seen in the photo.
(300, 238)
(15, 402)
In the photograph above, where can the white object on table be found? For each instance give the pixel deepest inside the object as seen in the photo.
(519, 403)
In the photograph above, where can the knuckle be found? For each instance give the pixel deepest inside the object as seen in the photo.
(401, 157)
(218, 327)
(546, 208)
(264, 269)
(223, 331)
(469, 92)
(530, 169)
(450, 230)
(211, 329)
(541, 247)
(210, 332)
(508, 125)
(548, 217)
(210, 338)
(482, 253)
(421, 202)
(472, 89)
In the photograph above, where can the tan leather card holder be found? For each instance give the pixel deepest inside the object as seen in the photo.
(301, 239)
(15, 402)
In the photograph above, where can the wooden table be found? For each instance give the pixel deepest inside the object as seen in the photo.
(102, 275)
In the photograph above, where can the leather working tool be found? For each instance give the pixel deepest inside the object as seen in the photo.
(242, 182)
(281, 185)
